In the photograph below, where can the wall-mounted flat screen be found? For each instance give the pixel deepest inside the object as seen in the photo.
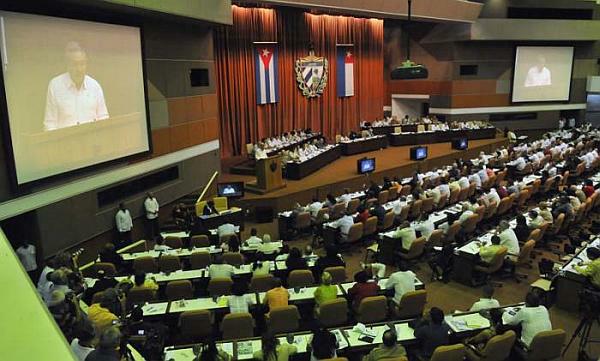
(542, 73)
(75, 93)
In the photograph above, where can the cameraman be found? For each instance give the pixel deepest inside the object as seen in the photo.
(66, 312)
(148, 338)
(591, 269)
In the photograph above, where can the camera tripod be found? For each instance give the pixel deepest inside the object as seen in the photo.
(583, 332)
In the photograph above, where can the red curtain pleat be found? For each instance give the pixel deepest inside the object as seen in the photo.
(243, 121)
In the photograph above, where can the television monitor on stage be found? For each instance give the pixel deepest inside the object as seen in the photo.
(365, 165)
(460, 144)
(231, 189)
(418, 153)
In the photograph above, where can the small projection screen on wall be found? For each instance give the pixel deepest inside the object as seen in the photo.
(542, 73)
(74, 91)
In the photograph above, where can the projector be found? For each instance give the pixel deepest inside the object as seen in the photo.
(410, 70)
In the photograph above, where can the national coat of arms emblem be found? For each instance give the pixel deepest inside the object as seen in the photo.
(311, 74)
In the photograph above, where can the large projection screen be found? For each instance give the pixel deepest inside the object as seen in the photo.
(542, 73)
(75, 93)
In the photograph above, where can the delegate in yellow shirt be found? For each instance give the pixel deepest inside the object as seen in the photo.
(591, 271)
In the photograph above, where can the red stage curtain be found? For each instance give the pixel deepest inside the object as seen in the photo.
(243, 121)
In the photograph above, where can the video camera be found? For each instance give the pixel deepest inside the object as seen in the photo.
(589, 303)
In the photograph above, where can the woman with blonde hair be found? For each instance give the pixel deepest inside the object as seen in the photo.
(325, 292)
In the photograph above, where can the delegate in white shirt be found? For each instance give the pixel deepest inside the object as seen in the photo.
(124, 221)
(67, 106)
(533, 320)
(401, 282)
(485, 304)
(151, 206)
(27, 257)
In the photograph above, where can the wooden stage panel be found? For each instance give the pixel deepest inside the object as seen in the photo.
(392, 161)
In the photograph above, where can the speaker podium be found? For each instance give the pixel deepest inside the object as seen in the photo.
(268, 176)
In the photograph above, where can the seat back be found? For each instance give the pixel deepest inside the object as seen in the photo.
(233, 258)
(558, 222)
(405, 190)
(472, 189)
(261, 283)
(338, 274)
(504, 206)
(337, 210)
(200, 241)
(462, 195)
(372, 309)
(500, 177)
(333, 312)
(547, 345)
(338, 138)
(195, 325)
(169, 263)
(470, 224)
(452, 232)
(249, 148)
(388, 221)
(480, 212)
(427, 205)
(490, 210)
(415, 209)
(173, 242)
(219, 286)
(283, 319)
(353, 205)
(144, 264)
(449, 353)
(442, 202)
(403, 216)
(420, 128)
(300, 278)
(525, 253)
(535, 234)
(237, 325)
(138, 296)
(109, 269)
(416, 249)
(303, 221)
(454, 196)
(435, 239)
(523, 197)
(412, 304)
(221, 204)
(383, 197)
(393, 193)
(199, 260)
(179, 290)
(370, 226)
(355, 233)
(498, 347)
(369, 203)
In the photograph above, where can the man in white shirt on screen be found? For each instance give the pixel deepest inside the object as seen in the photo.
(538, 75)
(74, 97)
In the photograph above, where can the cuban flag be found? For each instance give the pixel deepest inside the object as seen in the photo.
(345, 71)
(267, 75)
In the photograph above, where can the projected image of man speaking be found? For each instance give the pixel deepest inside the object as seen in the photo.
(74, 97)
(539, 75)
